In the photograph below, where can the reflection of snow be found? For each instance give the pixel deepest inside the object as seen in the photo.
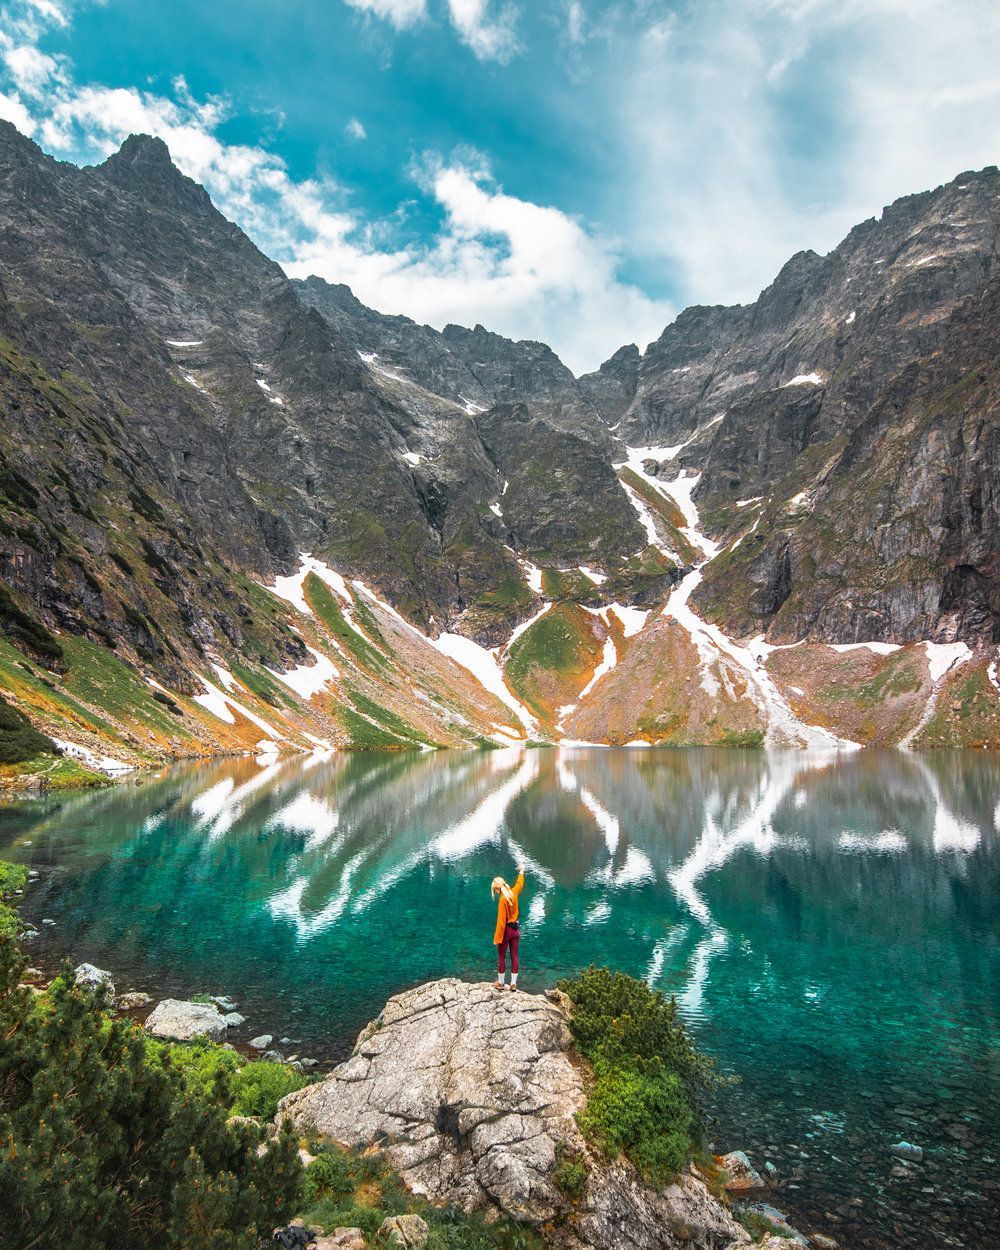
(307, 814)
(661, 950)
(598, 913)
(889, 840)
(690, 998)
(606, 822)
(483, 824)
(288, 904)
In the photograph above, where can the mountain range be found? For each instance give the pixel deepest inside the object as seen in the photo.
(240, 512)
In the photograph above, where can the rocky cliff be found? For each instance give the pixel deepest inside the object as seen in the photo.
(472, 1093)
(238, 510)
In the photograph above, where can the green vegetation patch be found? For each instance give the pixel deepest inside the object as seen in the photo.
(649, 1099)
(366, 736)
(321, 599)
(386, 718)
(355, 1189)
(19, 739)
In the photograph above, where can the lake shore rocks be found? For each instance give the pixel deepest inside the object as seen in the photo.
(181, 1021)
(92, 978)
(473, 1095)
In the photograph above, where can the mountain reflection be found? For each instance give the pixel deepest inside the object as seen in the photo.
(619, 846)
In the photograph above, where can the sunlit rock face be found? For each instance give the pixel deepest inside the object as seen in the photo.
(473, 1093)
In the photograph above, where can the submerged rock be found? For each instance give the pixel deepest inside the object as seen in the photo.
(183, 1021)
(906, 1150)
(260, 1043)
(473, 1095)
(233, 1019)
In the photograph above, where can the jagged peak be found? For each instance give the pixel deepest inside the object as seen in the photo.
(143, 163)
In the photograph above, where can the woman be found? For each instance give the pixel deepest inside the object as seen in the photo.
(507, 933)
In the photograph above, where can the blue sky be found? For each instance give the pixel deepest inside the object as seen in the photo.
(570, 170)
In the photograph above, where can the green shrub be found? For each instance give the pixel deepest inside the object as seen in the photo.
(13, 877)
(258, 1087)
(19, 739)
(651, 1088)
(570, 1173)
(206, 1068)
(101, 1147)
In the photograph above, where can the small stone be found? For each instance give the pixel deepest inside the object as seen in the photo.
(309, 1063)
(26, 935)
(742, 1174)
(770, 1170)
(233, 1019)
(34, 974)
(48, 921)
(260, 1043)
(407, 1231)
(274, 1056)
(132, 1001)
(90, 978)
(224, 1004)
(342, 1239)
(823, 1242)
(906, 1150)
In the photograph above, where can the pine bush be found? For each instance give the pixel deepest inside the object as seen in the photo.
(102, 1145)
(651, 1085)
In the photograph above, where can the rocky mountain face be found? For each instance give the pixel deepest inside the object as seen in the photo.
(216, 481)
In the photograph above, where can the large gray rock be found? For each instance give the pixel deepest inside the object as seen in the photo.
(472, 1093)
(183, 1021)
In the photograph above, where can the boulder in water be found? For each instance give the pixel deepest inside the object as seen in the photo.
(183, 1021)
(92, 978)
(473, 1095)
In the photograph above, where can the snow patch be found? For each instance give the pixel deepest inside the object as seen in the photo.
(309, 679)
(495, 509)
(483, 665)
(534, 576)
(849, 319)
(102, 763)
(924, 260)
(805, 379)
(193, 382)
(597, 578)
(183, 342)
(942, 656)
(412, 457)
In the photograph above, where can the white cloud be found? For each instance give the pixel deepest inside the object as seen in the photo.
(896, 96)
(400, 13)
(13, 110)
(524, 269)
(491, 37)
(355, 130)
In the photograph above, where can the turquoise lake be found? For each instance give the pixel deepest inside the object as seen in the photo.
(829, 925)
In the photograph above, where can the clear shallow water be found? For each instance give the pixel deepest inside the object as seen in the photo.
(828, 924)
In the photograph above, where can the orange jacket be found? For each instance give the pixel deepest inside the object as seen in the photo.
(507, 914)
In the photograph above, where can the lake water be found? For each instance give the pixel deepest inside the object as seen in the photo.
(829, 925)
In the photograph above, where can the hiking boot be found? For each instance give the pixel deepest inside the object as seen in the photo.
(499, 985)
(513, 989)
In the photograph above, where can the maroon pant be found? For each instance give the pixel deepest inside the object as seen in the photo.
(511, 937)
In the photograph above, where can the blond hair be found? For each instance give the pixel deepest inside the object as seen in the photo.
(499, 886)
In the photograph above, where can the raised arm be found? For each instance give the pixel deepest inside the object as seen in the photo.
(516, 889)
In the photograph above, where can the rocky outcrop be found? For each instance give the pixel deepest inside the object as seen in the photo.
(473, 1094)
